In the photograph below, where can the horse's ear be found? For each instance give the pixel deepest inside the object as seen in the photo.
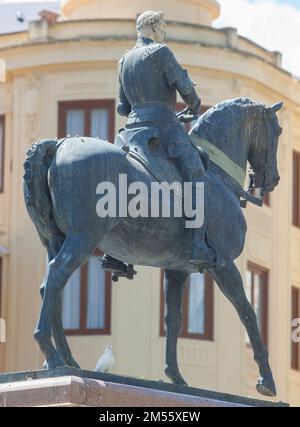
(276, 107)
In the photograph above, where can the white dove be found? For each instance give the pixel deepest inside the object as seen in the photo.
(106, 361)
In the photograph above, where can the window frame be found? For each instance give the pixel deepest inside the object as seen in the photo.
(208, 334)
(264, 275)
(296, 189)
(295, 314)
(267, 200)
(83, 330)
(86, 106)
(2, 163)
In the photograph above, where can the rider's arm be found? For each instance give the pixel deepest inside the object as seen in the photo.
(124, 107)
(178, 77)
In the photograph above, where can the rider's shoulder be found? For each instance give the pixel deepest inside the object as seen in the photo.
(121, 60)
(162, 48)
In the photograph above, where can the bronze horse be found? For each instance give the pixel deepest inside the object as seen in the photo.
(60, 181)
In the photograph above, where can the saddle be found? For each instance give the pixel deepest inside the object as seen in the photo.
(143, 144)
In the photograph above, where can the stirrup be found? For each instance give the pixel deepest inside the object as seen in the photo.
(217, 262)
(203, 265)
(128, 274)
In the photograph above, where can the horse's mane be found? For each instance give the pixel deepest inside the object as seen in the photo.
(218, 123)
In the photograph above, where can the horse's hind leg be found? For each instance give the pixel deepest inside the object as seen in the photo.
(61, 344)
(231, 284)
(75, 250)
(173, 289)
(59, 337)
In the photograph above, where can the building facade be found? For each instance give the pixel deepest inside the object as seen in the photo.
(62, 78)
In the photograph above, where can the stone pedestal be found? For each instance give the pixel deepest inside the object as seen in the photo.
(74, 387)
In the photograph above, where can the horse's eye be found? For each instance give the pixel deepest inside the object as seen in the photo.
(280, 131)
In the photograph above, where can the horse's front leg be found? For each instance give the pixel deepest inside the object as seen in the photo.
(230, 283)
(173, 289)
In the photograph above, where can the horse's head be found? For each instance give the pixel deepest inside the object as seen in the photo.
(245, 130)
(262, 154)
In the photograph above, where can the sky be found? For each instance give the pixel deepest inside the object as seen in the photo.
(274, 24)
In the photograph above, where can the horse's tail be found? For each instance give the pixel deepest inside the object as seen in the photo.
(37, 194)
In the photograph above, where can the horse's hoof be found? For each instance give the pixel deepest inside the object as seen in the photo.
(72, 363)
(175, 377)
(266, 386)
(55, 362)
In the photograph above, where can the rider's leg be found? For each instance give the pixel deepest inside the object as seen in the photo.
(192, 170)
(112, 264)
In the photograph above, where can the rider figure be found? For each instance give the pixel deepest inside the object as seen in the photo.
(150, 77)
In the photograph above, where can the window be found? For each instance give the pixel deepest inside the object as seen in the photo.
(93, 118)
(296, 189)
(197, 308)
(2, 141)
(86, 302)
(257, 293)
(295, 354)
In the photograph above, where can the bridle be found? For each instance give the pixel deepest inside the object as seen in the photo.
(267, 162)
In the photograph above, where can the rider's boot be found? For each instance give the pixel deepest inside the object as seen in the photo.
(201, 255)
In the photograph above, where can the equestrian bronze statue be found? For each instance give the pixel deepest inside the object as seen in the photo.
(62, 180)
